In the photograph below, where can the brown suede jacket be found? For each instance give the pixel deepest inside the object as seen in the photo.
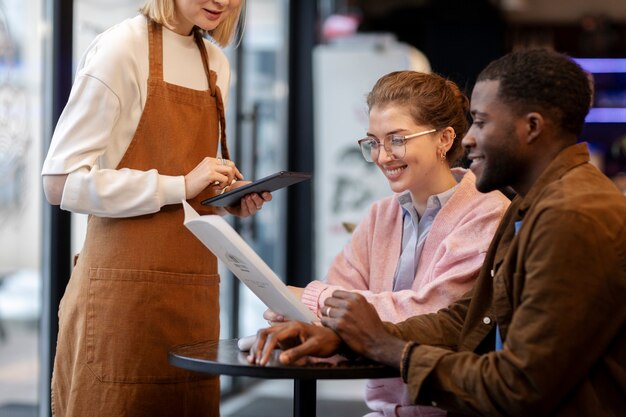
(557, 291)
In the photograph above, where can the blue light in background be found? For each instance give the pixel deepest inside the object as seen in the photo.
(602, 65)
(606, 115)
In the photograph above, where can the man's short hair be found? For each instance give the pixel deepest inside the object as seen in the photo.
(545, 81)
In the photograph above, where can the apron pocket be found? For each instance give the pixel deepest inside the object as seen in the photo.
(134, 317)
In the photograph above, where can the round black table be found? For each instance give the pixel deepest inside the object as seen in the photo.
(223, 357)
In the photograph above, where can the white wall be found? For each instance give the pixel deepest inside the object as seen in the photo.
(346, 185)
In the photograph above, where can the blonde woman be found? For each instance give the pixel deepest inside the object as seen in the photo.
(140, 133)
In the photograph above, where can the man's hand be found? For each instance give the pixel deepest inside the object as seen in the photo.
(358, 324)
(297, 338)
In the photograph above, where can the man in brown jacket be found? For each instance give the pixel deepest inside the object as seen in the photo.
(544, 330)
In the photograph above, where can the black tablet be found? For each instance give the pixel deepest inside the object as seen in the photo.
(270, 183)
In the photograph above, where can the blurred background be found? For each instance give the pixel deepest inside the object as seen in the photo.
(297, 102)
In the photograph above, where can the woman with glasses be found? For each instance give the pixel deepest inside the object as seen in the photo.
(420, 249)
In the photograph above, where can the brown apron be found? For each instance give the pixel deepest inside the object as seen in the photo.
(144, 284)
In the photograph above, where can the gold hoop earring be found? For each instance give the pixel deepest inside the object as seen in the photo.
(442, 154)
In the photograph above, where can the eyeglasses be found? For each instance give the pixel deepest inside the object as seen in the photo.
(394, 145)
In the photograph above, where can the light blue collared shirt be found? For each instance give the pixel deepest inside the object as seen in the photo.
(414, 233)
(499, 343)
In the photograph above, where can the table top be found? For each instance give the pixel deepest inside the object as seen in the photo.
(223, 357)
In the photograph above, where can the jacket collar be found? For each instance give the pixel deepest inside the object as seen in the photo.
(566, 160)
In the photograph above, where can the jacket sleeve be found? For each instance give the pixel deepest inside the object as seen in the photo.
(441, 329)
(558, 330)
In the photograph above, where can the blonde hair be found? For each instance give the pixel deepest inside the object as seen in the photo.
(163, 12)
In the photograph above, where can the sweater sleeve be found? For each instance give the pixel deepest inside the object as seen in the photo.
(447, 273)
(350, 269)
(95, 128)
(80, 139)
(450, 270)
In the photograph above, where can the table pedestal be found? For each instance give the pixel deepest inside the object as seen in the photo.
(304, 397)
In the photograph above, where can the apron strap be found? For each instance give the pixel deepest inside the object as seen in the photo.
(155, 50)
(220, 110)
(205, 59)
(215, 91)
(155, 47)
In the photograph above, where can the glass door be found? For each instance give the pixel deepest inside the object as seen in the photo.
(257, 127)
(21, 98)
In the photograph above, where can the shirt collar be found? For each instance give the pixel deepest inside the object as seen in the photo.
(434, 201)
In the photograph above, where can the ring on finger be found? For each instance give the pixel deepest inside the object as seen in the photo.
(328, 311)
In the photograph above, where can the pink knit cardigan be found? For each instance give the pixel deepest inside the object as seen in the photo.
(453, 253)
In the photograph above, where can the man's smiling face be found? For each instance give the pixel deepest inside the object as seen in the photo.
(493, 140)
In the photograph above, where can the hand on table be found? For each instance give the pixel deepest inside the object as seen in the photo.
(298, 340)
(359, 326)
(347, 318)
